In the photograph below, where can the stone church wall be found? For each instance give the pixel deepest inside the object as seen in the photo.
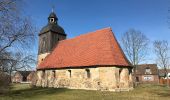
(41, 57)
(100, 78)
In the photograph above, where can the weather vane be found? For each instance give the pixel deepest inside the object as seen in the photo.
(53, 7)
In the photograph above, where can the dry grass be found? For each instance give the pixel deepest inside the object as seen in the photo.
(142, 92)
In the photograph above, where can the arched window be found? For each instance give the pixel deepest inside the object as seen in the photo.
(88, 73)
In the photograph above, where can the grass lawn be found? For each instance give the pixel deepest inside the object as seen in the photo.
(142, 92)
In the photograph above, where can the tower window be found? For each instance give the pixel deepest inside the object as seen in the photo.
(88, 73)
(51, 20)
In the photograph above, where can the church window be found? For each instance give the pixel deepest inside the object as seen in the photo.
(53, 74)
(43, 74)
(69, 73)
(88, 73)
(120, 71)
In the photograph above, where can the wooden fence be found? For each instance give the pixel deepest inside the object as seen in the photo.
(164, 81)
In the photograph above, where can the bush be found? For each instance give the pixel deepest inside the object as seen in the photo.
(4, 82)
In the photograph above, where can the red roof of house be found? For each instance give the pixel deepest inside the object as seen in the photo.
(97, 48)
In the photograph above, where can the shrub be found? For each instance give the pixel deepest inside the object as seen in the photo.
(4, 82)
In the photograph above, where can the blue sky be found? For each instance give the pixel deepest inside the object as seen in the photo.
(82, 16)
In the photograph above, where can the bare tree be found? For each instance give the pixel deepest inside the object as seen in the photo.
(18, 61)
(16, 39)
(161, 50)
(16, 30)
(135, 45)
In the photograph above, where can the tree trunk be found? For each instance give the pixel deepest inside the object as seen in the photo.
(10, 73)
(134, 78)
(166, 74)
(167, 80)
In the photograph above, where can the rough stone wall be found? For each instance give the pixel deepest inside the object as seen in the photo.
(112, 78)
(41, 57)
(124, 78)
(108, 78)
(101, 78)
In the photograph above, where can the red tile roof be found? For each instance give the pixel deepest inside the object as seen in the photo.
(92, 49)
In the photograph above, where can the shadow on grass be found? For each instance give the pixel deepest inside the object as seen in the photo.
(38, 91)
(161, 90)
(164, 93)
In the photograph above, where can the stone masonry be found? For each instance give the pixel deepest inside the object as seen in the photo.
(100, 78)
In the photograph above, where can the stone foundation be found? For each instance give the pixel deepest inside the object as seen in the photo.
(100, 78)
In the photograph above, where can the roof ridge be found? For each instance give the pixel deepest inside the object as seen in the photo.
(92, 32)
(102, 29)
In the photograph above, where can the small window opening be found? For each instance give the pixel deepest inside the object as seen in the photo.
(54, 74)
(88, 73)
(130, 71)
(137, 79)
(120, 71)
(69, 73)
(43, 74)
(52, 20)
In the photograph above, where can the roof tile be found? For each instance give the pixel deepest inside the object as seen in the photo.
(91, 49)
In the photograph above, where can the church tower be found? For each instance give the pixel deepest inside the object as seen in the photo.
(49, 36)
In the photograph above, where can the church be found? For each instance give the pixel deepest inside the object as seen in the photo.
(91, 61)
